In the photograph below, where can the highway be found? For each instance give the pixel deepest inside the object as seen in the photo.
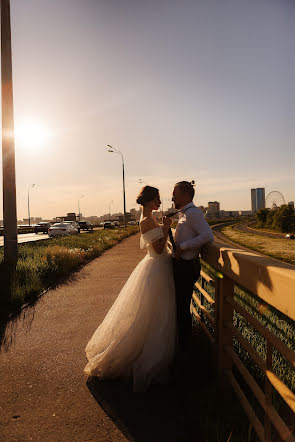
(30, 237)
(27, 237)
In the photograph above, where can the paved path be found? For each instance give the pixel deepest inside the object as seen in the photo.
(44, 394)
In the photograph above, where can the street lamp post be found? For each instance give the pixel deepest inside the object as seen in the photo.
(82, 196)
(29, 215)
(114, 150)
(111, 202)
(8, 155)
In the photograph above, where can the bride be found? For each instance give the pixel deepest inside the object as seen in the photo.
(137, 338)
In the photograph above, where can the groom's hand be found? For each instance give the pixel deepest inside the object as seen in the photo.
(178, 252)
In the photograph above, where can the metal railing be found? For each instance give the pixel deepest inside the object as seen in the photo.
(217, 307)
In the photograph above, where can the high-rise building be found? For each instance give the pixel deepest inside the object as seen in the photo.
(260, 198)
(257, 199)
(253, 200)
(291, 203)
(213, 209)
(214, 206)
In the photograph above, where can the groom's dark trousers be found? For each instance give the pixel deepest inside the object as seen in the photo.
(186, 273)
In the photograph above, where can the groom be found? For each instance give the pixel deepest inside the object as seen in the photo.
(192, 232)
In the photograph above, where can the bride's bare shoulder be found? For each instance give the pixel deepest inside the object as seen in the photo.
(147, 224)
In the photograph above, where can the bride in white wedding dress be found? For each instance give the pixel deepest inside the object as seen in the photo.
(137, 338)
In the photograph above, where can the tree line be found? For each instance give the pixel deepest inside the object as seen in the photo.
(281, 219)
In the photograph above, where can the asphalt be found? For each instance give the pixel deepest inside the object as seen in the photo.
(44, 394)
(245, 228)
(221, 238)
(32, 237)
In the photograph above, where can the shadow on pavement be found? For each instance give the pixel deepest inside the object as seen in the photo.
(153, 416)
(188, 409)
(9, 324)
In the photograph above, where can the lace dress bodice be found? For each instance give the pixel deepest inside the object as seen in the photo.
(147, 239)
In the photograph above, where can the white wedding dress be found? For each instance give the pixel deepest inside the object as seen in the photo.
(137, 338)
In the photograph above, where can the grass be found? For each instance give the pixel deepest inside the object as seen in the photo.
(278, 248)
(46, 262)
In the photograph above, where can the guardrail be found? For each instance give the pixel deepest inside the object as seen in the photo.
(232, 278)
(25, 229)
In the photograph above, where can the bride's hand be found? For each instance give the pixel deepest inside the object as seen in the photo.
(167, 222)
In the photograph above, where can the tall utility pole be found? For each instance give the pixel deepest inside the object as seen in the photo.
(29, 211)
(115, 150)
(8, 155)
(124, 196)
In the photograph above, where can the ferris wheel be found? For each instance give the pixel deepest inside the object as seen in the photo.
(274, 200)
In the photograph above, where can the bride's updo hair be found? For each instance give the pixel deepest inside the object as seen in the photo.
(147, 194)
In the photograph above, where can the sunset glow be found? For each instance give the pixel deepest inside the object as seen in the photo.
(31, 134)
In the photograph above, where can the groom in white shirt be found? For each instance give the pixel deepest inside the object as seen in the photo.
(192, 232)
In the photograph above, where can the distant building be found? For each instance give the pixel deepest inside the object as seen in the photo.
(245, 212)
(214, 206)
(71, 216)
(291, 203)
(229, 214)
(128, 218)
(213, 209)
(253, 200)
(257, 199)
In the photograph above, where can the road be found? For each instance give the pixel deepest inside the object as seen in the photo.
(30, 237)
(244, 228)
(220, 238)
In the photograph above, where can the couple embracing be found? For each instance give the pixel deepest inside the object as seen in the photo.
(150, 321)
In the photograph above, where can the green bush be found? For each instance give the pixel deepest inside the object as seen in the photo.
(281, 219)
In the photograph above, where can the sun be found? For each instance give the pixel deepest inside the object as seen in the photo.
(31, 134)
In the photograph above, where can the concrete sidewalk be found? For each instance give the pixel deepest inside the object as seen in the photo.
(44, 394)
(43, 390)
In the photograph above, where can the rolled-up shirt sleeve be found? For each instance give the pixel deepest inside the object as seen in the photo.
(199, 225)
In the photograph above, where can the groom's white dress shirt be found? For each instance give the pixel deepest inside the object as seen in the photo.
(192, 231)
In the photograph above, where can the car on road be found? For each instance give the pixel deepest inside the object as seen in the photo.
(62, 229)
(85, 225)
(116, 223)
(290, 236)
(74, 224)
(108, 225)
(132, 223)
(42, 227)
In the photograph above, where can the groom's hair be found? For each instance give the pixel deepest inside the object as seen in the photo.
(186, 186)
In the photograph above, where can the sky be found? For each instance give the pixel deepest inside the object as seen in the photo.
(197, 89)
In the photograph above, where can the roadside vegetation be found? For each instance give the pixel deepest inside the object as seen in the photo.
(275, 247)
(281, 219)
(41, 264)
